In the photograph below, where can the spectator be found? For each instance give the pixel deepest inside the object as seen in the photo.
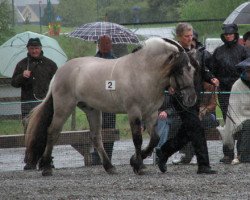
(223, 63)
(33, 74)
(108, 119)
(207, 101)
(238, 118)
(246, 39)
(191, 129)
(164, 120)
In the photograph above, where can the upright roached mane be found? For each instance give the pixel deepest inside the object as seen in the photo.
(140, 80)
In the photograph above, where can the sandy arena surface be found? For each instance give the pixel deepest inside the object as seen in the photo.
(72, 180)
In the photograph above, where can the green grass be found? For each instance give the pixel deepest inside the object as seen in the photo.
(10, 127)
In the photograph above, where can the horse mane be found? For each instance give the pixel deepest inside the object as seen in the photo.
(181, 49)
(153, 44)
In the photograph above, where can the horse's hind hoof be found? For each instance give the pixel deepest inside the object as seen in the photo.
(112, 170)
(47, 172)
(29, 167)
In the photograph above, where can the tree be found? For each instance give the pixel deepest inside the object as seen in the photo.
(207, 9)
(77, 12)
(5, 20)
(49, 14)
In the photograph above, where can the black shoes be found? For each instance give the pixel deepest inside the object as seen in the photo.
(161, 161)
(205, 170)
(226, 160)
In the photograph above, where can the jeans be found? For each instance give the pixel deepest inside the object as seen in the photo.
(163, 130)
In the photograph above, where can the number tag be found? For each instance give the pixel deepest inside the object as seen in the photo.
(110, 85)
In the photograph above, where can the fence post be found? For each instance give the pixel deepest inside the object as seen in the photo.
(73, 120)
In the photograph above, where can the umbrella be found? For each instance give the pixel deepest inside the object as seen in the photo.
(14, 50)
(92, 31)
(241, 15)
(244, 65)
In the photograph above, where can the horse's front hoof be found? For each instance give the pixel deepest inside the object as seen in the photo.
(47, 172)
(112, 170)
(137, 165)
(139, 171)
(29, 167)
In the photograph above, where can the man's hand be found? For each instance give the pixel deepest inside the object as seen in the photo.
(26, 73)
(215, 82)
(163, 115)
(171, 90)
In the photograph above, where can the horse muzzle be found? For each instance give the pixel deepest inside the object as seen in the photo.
(188, 97)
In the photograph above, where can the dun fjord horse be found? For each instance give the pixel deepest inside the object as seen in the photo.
(133, 84)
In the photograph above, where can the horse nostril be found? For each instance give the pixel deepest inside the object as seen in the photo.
(192, 98)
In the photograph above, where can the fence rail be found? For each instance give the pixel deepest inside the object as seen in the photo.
(80, 140)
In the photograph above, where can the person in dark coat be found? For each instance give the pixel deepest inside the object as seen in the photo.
(108, 119)
(223, 62)
(33, 74)
(246, 40)
(191, 128)
(204, 57)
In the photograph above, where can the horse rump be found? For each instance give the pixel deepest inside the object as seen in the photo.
(36, 133)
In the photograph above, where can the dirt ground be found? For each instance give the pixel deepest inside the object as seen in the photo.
(71, 180)
(180, 182)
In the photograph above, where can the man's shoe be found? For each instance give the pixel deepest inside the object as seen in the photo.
(226, 160)
(205, 170)
(161, 161)
(182, 160)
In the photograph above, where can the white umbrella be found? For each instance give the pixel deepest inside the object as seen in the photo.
(240, 15)
(14, 50)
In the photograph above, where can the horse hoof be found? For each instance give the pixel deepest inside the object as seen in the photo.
(139, 171)
(112, 170)
(47, 172)
(138, 166)
(29, 167)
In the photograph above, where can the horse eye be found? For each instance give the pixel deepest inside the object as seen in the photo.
(180, 72)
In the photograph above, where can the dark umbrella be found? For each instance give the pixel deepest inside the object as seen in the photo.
(92, 31)
(241, 15)
(244, 65)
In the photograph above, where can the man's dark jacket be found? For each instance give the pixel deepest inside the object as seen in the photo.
(34, 88)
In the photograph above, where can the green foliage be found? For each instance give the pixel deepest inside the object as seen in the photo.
(49, 15)
(207, 9)
(74, 47)
(76, 12)
(5, 21)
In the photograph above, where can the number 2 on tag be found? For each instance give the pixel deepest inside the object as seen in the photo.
(110, 85)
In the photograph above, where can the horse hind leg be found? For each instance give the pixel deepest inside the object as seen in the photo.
(61, 114)
(94, 118)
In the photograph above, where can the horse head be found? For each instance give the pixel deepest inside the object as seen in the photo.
(182, 77)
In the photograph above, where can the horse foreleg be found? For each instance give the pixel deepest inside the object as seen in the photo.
(136, 160)
(151, 126)
(94, 118)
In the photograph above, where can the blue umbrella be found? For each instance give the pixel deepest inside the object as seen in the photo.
(14, 50)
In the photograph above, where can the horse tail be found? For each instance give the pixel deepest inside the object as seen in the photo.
(37, 129)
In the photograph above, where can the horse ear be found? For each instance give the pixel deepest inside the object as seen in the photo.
(173, 57)
(192, 53)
